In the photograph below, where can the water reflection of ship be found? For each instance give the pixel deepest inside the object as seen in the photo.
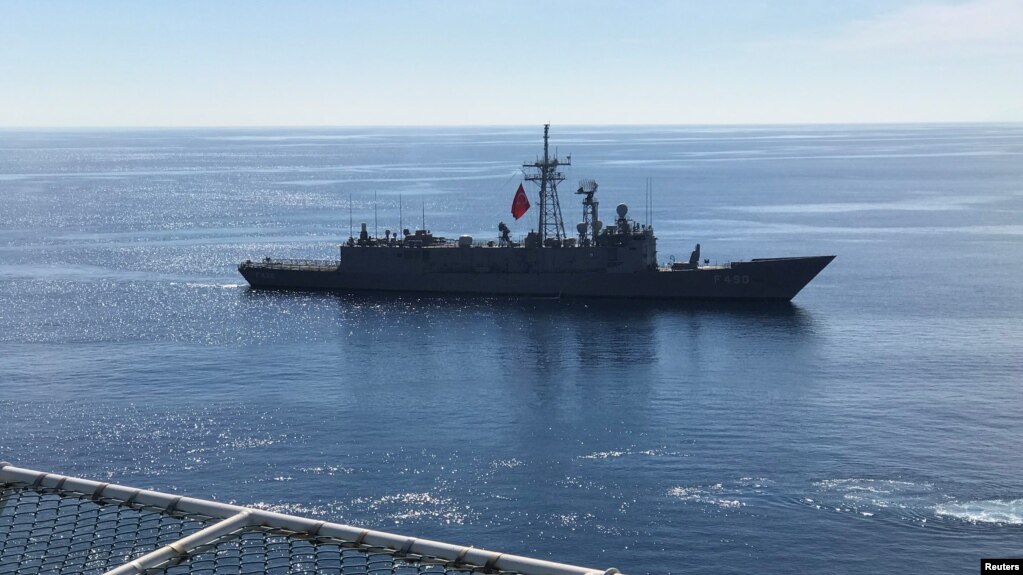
(613, 261)
(576, 339)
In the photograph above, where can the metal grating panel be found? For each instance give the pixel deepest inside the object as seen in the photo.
(49, 533)
(56, 525)
(273, 552)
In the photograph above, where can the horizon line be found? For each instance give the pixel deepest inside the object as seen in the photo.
(501, 125)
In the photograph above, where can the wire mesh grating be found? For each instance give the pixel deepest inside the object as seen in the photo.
(47, 532)
(51, 524)
(260, 550)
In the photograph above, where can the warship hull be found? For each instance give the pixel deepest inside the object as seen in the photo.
(777, 279)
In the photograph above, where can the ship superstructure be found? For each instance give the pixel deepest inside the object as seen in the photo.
(618, 260)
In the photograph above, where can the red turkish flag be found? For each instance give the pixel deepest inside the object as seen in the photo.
(520, 204)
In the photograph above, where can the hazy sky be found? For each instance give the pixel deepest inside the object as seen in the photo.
(222, 63)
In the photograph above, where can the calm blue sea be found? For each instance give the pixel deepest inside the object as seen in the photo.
(873, 426)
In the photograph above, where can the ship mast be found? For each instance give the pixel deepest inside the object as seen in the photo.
(547, 177)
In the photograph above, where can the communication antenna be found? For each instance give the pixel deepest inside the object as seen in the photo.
(649, 201)
(401, 223)
(351, 226)
(376, 231)
(424, 215)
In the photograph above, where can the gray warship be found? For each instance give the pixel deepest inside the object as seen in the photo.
(613, 261)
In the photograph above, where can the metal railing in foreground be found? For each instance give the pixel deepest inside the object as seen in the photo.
(52, 524)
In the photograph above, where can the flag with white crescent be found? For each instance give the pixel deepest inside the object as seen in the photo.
(520, 204)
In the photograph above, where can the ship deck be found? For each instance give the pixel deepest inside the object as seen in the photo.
(286, 264)
(335, 265)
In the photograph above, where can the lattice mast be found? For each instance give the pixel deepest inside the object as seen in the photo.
(547, 177)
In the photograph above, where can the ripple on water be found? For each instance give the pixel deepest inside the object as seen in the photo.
(410, 506)
(731, 495)
(904, 500)
(910, 501)
(995, 511)
(709, 495)
(616, 453)
(330, 509)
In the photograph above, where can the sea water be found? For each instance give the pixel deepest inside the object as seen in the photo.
(872, 426)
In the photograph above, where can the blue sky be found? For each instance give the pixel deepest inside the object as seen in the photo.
(251, 63)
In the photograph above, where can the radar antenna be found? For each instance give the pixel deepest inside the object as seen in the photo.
(590, 226)
(547, 176)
